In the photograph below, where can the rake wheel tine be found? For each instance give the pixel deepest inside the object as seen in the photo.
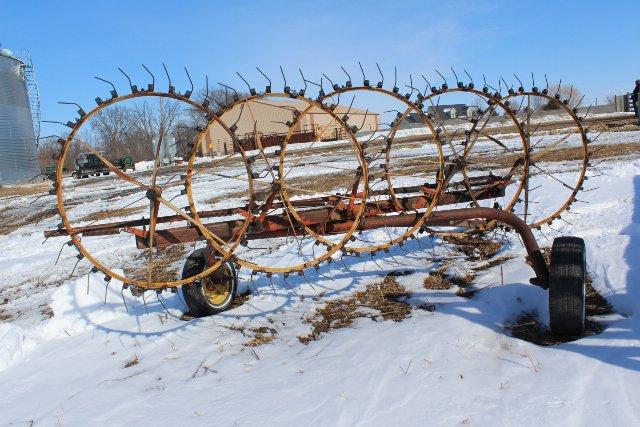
(307, 280)
(268, 88)
(124, 300)
(171, 88)
(60, 252)
(284, 78)
(443, 78)
(365, 82)
(188, 94)
(165, 307)
(252, 91)
(348, 84)
(106, 288)
(272, 287)
(303, 91)
(376, 263)
(74, 268)
(114, 94)
(144, 301)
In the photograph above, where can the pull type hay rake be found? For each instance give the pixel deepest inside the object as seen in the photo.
(331, 182)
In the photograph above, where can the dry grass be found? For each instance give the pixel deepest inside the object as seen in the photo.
(262, 335)
(438, 279)
(132, 362)
(492, 263)
(113, 213)
(24, 189)
(162, 267)
(476, 248)
(11, 220)
(384, 298)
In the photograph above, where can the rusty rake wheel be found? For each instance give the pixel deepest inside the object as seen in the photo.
(396, 183)
(284, 211)
(100, 244)
(558, 153)
(485, 155)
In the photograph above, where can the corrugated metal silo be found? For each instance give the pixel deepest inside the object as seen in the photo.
(18, 162)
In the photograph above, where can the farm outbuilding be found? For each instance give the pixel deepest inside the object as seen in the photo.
(271, 116)
(18, 161)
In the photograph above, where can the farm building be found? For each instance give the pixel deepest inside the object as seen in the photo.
(18, 137)
(271, 116)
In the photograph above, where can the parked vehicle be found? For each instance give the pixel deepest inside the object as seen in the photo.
(88, 164)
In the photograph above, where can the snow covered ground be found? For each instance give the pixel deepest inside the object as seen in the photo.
(69, 356)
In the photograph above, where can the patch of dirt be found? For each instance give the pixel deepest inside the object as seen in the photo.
(385, 298)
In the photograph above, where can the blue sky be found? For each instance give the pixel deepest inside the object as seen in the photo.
(594, 45)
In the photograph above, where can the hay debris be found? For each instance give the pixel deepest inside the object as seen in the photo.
(262, 335)
(476, 248)
(383, 301)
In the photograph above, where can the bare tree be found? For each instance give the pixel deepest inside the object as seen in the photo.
(570, 93)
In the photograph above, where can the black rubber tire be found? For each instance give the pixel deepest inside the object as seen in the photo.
(193, 293)
(567, 287)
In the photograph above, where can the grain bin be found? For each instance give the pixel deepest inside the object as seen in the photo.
(18, 162)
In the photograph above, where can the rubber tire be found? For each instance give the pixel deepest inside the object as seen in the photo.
(193, 293)
(567, 287)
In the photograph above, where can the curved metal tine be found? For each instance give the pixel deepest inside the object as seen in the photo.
(333, 85)
(546, 83)
(427, 82)
(134, 88)
(570, 93)
(470, 78)
(121, 293)
(410, 86)
(287, 89)
(151, 86)
(558, 87)
(252, 91)
(188, 93)
(348, 83)
(443, 79)
(521, 87)
(381, 82)
(144, 301)
(114, 92)
(580, 102)
(458, 82)
(236, 97)
(268, 87)
(302, 91)
(81, 112)
(172, 89)
(506, 85)
(349, 109)
(365, 82)
(363, 119)
(395, 80)
(533, 80)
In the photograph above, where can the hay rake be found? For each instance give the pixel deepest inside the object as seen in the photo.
(285, 207)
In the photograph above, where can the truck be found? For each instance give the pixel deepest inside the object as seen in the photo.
(90, 164)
